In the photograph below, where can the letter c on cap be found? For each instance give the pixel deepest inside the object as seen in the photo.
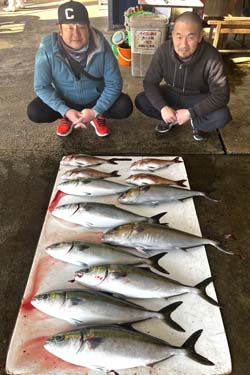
(69, 14)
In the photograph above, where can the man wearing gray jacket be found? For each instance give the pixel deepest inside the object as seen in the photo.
(195, 86)
(77, 78)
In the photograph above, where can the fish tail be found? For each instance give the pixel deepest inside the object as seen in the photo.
(154, 262)
(209, 198)
(220, 248)
(202, 287)
(181, 183)
(177, 160)
(115, 174)
(167, 311)
(114, 160)
(156, 218)
(189, 345)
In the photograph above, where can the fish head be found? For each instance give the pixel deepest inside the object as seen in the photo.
(68, 175)
(59, 250)
(64, 345)
(92, 276)
(65, 211)
(130, 196)
(49, 302)
(131, 179)
(138, 165)
(118, 235)
(69, 160)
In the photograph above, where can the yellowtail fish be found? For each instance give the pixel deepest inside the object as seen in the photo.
(136, 282)
(156, 194)
(111, 348)
(78, 306)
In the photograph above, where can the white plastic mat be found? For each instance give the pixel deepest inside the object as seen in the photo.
(26, 353)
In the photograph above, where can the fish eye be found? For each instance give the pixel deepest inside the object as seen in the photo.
(59, 338)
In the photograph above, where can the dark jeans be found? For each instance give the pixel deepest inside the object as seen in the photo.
(40, 112)
(206, 123)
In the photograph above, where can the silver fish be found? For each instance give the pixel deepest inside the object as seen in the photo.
(156, 194)
(134, 282)
(152, 164)
(98, 215)
(141, 179)
(83, 160)
(87, 254)
(90, 307)
(156, 237)
(112, 348)
(87, 173)
(91, 188)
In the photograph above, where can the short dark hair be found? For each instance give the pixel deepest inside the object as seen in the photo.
(190, 17)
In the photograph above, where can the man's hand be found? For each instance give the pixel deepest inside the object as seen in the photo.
(168, 114)
(87, 115)
(76, 117)
(182, 116)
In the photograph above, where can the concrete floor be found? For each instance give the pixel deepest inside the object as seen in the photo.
(30, 155)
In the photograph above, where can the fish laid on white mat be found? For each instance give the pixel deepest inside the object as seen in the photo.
(153, 164)
(87, 173)
(91, 187)
(135, 282)
(141, 179)
(156, 194)
(99, 215)
(87, 254)
(79, 306)
(83, 160)
(111, 348)
(156, 237)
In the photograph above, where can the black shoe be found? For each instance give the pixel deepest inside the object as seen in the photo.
(164, 127)
(199, 136)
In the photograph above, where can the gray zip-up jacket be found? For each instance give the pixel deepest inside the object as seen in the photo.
(202, 74)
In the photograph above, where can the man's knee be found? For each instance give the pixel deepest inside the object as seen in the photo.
(32, 113)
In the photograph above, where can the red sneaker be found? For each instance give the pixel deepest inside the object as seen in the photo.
(100, 126)
(64, 128)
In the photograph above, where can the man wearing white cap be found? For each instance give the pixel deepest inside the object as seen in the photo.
(77, 78)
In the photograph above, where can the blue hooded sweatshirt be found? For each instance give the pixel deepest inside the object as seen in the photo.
(55, 82)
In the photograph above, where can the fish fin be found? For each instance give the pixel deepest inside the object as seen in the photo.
(144, 187)
(189, 345)
(156, 218)
(202, 287)
(155, 259)
(93, 341)
(115, 174)
(114, 160)
(118, 274)
(167, 311)
(75, 321)
(181, 183)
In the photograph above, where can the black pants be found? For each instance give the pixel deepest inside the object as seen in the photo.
(40, 112)
(206, 123)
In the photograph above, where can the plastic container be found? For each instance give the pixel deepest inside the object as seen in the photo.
(148, 32)
(124, 55)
